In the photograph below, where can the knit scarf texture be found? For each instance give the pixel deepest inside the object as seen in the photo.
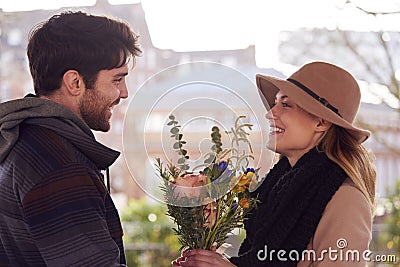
(292, 201)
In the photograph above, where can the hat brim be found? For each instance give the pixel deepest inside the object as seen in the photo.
(268, 87)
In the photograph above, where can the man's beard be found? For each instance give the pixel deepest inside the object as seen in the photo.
(94, 110)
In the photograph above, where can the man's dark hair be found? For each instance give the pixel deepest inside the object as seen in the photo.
(78, 41)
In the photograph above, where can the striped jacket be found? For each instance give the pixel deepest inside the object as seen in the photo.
(54, 207)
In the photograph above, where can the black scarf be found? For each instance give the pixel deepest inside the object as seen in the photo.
(292, 203)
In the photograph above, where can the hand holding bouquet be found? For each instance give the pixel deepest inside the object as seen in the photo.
(210, 200)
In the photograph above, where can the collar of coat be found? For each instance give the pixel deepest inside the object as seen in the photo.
(101, 155)
(48, 114)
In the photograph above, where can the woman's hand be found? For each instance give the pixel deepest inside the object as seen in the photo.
(202, 258)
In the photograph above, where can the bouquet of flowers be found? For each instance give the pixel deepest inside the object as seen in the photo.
(213, 198)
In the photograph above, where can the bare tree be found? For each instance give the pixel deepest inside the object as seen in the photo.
(386, 62)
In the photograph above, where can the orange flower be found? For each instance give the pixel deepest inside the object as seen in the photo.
(238, 189)
(244, 203)
(243, 180)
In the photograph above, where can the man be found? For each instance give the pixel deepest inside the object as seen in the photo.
(55, 209)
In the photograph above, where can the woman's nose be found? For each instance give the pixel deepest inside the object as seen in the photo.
(270, 114)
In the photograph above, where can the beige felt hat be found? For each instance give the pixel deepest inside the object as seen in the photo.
(322, 89)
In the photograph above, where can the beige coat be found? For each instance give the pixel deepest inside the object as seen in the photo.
(344, 231)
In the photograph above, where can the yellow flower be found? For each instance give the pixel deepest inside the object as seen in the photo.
(238, 189)
(244, 203)
(253, 184)
(243, 180)
(251, 176)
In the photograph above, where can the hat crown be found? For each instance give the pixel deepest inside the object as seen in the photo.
(337, 86)
(322, 89)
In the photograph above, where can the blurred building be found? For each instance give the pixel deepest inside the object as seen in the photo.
(15, 82)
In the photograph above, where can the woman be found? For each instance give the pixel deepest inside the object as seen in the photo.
(317, 202)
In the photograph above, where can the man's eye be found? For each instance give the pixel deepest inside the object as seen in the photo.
(285, 104)
(118, 80)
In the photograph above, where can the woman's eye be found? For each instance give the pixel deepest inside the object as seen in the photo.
(285, 104)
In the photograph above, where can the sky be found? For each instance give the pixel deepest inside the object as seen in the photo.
(183, 25)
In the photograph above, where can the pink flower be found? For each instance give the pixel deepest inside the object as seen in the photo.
(190, 185)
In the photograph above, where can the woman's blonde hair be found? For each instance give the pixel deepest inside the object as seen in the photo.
(355, 159)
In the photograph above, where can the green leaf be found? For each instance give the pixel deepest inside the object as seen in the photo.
(174, 130)
(181, 160)
(214, 172)
(209, 159)
(185, 167)
(214, 136)
(171, 117)
(177, 145)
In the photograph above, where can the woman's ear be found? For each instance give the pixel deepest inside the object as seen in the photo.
(322, 125)
(73, 82)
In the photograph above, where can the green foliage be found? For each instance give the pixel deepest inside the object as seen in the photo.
(206, 218)
(149, 230)
(391, 237)
(199, 234)
(178, 145)
(216, 139)
(240, 135)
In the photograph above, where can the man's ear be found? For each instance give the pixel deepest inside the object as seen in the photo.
(322, 125)
(73, 82)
